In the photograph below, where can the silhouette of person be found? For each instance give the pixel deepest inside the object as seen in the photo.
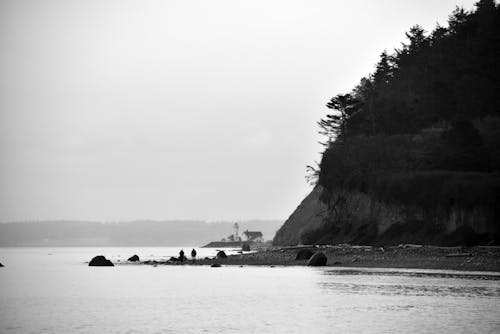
(181, 256)
(193, 253)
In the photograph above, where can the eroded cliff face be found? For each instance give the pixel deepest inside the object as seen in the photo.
(309, 214)
(357, 218)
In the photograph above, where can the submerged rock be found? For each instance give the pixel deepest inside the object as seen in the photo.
(317, 260)
(100, 261)
(133, 258)
(245, 248)
(221, 255)
(304, 254)
(216, 265)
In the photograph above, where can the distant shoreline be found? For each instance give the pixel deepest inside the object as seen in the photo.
(479, 258)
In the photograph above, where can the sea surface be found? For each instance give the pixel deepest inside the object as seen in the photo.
(52, 290)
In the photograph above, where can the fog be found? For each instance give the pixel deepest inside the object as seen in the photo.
(121, 110)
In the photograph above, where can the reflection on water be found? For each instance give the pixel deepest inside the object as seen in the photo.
(58, 293)
(415, 283)
(411, 290)
(476, 275)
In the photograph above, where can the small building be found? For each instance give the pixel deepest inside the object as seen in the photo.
(253, 236)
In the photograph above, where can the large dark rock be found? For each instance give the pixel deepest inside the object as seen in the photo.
(245, 248)
(304, 254)
(317, 260)
(221, 255)
(216, 265)
(1, 265)
(100, 261)
(133, 258)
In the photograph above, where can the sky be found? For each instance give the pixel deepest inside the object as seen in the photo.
(193, 109)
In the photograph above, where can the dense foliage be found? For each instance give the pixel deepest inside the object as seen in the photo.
(452, 72)
(424, 128)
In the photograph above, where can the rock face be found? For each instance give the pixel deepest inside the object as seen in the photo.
(361, 219)
(221, 255)
(245, 248)
(133, 258)
(317, 260)
(304, 254)
(309, 214)
(100, 261)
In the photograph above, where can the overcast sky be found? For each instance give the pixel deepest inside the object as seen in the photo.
(120, 110)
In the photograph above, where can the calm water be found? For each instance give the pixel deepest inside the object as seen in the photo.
(51, 290)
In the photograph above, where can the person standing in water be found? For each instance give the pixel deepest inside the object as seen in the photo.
(181, 256)
(193, 254)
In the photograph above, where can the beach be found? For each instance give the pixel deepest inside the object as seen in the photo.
(479, 258)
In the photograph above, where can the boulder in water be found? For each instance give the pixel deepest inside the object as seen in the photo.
(174, 259)
(100, 261)
(1, 265)
(317, 260)
(245, 248)
(221, 255)
(216, 265)
(304, 254)
(133, 258)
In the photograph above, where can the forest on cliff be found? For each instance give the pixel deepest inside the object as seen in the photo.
(421, 131)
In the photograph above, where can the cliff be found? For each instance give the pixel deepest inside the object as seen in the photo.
(412, 152)
(362, 219)
(309, 215)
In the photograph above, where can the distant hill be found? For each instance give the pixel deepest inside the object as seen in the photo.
(133, 233)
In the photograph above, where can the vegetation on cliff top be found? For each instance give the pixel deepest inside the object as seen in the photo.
(424, 128)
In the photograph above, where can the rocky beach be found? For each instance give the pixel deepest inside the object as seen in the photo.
(479, 258)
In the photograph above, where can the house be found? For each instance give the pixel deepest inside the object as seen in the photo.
(253, 236)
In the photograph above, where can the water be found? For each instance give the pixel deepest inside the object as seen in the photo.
(51, 290)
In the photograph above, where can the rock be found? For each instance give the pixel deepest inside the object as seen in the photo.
(133, 258)
(174, 259)
(221, 255)
(216, 265)
(1, 265)
(100, 261)
(303, 254)
(317, 260)
(245, 248)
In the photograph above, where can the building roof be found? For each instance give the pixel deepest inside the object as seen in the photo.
(253, 234)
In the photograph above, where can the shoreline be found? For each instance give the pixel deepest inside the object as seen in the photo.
(478, 258)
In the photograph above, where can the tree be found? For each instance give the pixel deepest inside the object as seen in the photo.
(334, 125)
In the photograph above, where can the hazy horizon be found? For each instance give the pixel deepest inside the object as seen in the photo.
(147, 233)
(115, 111)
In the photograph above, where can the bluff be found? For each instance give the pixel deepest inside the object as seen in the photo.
(412, 153)
(363, 219)
(309, 215)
